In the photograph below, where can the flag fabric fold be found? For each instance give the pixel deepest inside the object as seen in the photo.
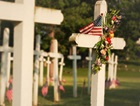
(61, 87)
(44, 89)
(93, 28)
(9, 91)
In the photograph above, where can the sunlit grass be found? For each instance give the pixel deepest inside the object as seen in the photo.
(127, 94)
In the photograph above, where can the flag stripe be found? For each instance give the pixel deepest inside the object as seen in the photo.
(94, 28)
(87, 31)
(89, 26)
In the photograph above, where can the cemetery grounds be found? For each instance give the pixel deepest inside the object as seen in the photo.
(127, 94)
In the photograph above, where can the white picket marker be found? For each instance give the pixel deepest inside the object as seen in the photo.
(55, 68)
(36, 71)
(8, 68)
(98, 79)
(48, 69)
(89, 58)
(74, 57)
(5, 49)
(61, 68)
(115, 67)
(41, 70)
(112, 67)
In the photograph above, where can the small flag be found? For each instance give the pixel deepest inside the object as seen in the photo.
(61, 87)
(44, 89)
(9, 91)
(94, 28)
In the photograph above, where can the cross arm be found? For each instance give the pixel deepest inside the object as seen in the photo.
(48, 16)
(11, 11)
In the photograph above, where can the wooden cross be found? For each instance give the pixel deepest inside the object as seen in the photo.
(24, 13)
(84, 40)
(5, 49)
(89, 58)
(36, 71)
(61, 68)
(74, 57)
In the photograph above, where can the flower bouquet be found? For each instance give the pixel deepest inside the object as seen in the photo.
(103, 47)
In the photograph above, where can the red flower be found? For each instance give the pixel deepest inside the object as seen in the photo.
(114, 18)
(107, 57)
(108, 39)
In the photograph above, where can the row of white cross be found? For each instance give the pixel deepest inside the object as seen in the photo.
(24, 14)
(112, 68)
(39, 59)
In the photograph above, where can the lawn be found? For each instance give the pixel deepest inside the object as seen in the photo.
(127, 94)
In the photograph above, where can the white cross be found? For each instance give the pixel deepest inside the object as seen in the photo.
(22, 13)
(61, 68)
(115, 67)
(36, 71)
(84, 40)
(89, 58)
(111, 67)
(74, 57)
(48, 69)
(5, 49)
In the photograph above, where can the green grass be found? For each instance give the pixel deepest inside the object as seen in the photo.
(127, 94)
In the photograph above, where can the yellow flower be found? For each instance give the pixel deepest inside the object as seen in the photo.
(111, 34)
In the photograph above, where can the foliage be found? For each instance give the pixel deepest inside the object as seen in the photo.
(103, 47)
(80, 12)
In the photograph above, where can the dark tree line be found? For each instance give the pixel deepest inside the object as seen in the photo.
(78, 13)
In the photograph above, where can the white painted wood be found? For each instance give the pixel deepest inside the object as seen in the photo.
(55, 70)
(48, 69)
(115, 67)
(10, 9)
(61, 68)
(74, 57)
(8, 69)
(4, 62)
(98, 88)
(36, 72)
(84, 40)
(98, 79)
(89, 58)
(46, 15)
(112, 67)
(81, 41)
(23, 44)
(23, 54)
(118, 43)
(41, 60)
(42, 15)
(109, 68)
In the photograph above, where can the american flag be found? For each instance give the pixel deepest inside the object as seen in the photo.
(45, 89)
(94, 28)
(9, 91)
(61, 87)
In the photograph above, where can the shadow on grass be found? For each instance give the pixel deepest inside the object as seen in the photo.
(128, 94)
(123, 96)
(67, 98)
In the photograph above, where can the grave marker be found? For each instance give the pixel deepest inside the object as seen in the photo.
(98, 79)
(36, 71)
(74, 57)
(61, 68)
(41, 60)
(23, 43)
(5, 49)
(90, 58)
